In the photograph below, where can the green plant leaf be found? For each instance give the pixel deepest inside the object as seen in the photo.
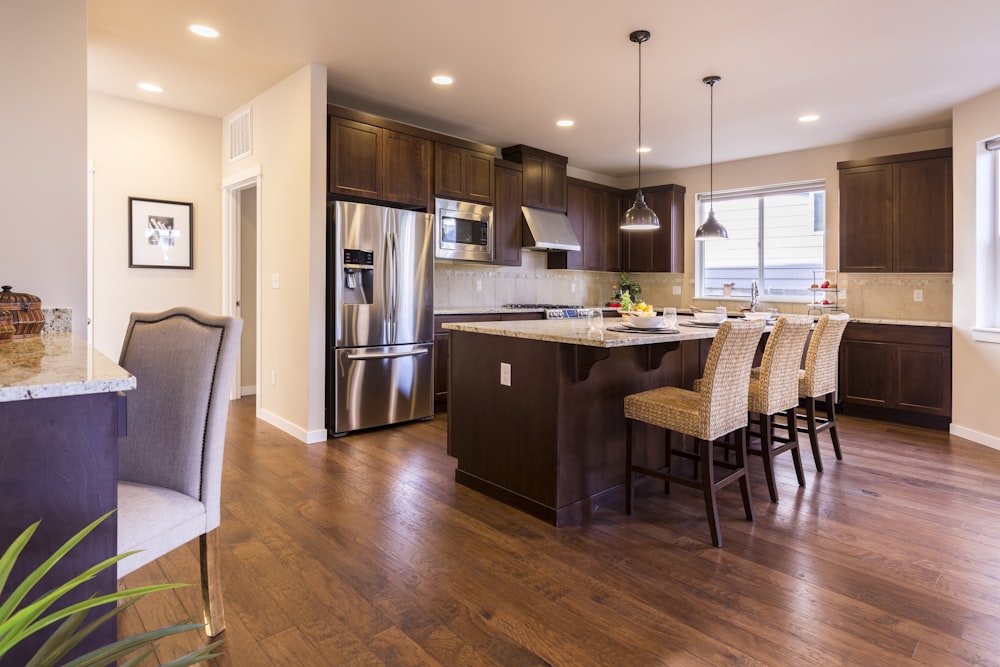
(11, 554)
(124, 647)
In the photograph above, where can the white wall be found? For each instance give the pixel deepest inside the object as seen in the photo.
(975, 365)
(289, 130)
(43, 145)
(141, 150)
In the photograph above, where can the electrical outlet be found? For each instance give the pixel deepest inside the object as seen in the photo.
(918, 295)
(572, 288)
(274, 376)
(479, 285)
(504, 374)
(677, 290)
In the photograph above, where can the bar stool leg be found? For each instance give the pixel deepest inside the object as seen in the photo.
(766, 454)
(813, 434)
(793, 434)
(666, 459)
(741, 461)
(629, 475)
(705, 451)
(831, 418)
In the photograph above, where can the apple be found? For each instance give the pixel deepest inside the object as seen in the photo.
(826, 284)
(825, 302)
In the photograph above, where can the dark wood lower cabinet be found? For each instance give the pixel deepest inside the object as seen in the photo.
(897, 373)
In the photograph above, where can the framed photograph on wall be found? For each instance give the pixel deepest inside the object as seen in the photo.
(160, 234)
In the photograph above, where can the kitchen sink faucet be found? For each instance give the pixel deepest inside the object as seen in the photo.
(754, 296)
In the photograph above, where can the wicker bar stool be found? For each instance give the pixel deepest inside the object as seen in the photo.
(819, 378)
(717, 409)
(774, 389)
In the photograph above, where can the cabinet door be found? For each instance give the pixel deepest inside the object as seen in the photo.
(610, 233)
(922, 217)
(353, 158)
(406, 169)
(923, 379)
(866, 373)
(579, 208)
(533, 174)
(448, 181)
(440, 371)
(866, 237)
(507, 217)
(479, 177)
(554, 185)
(662, 249)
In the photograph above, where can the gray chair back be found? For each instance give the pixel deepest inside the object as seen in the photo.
(183, 360)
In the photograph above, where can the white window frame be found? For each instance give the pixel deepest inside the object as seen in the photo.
(987, 329)
(701, 212)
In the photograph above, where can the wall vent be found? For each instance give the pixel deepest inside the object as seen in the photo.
(240, 135)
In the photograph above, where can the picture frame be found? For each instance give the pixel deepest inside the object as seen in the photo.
(160, 234)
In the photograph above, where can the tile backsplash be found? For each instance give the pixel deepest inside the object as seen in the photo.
(863, 295)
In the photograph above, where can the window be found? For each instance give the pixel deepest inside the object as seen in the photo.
(987, 326)
(776, 237)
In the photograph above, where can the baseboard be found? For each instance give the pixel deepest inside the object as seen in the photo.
(975, 436)
(249, 390)
(297, 432)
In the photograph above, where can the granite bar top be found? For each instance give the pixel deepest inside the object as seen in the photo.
(577, 332)
(500, 310)
(57, 364)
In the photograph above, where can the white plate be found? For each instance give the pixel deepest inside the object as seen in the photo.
(644, 321)
(759, 316)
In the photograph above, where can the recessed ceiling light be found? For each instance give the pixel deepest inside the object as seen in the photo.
(565, 122)
(151, 88)
(203, 31)
(443, 80)
(808, 118)
(643, 149)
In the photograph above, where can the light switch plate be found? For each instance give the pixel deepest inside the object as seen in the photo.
(918, 295)
(275, 280)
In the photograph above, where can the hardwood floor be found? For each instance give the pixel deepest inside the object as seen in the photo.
(364, 551)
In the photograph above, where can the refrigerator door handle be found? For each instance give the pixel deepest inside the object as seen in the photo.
(388, 355)
(394, 284)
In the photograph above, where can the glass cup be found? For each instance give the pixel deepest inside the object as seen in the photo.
(595, 320)
(670, 318)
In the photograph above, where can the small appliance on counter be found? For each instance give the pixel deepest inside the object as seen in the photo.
(380, 317)
(24, 311)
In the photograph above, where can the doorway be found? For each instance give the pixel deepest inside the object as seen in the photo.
(241, 298)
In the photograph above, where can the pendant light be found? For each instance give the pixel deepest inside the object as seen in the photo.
(711, 228)
(640, 216)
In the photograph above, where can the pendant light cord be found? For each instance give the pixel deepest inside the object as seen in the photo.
(711, 148)
(639, 147)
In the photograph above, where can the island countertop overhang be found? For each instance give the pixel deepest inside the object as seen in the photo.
(577, 332)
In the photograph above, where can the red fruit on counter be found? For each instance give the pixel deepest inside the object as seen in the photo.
(826, 284)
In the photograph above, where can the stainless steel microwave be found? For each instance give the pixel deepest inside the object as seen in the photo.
(463, 231)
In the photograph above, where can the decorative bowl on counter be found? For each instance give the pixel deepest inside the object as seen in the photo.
(709, 317)
(643, 321)
(767, 315)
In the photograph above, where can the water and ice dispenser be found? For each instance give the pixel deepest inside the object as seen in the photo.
(359, 269)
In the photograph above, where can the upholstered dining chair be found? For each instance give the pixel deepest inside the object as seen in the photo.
(718, 408)
(819, 379)
(774, 389)
(170, 460)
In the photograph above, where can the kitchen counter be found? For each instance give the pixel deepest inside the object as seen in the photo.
(61, 412)
(535, 408)
(57, 364)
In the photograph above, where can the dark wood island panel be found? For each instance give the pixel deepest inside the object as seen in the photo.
(552, 443)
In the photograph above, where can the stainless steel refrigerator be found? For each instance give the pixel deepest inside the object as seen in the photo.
(380, 291)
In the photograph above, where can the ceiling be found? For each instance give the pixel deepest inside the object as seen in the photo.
(869, 68)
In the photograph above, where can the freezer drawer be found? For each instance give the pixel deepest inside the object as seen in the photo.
(375, 386)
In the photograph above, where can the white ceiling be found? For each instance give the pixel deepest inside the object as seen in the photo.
(869, 67)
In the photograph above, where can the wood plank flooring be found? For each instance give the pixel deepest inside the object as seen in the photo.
(364, 551)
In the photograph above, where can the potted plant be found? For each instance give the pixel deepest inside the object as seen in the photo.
(626, 291)
(18, 623)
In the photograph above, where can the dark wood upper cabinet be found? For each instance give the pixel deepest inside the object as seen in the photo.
(354, 155)
(659, 250)
(594, 211)
(383, 161)
(544, 177)
(406, 168)
(461, 173)
(507, 213)
(896, 213)
(371, 162)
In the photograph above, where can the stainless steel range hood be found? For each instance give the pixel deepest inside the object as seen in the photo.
(547, 230)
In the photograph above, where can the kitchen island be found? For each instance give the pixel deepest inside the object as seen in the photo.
(60, 414)
(535, 411)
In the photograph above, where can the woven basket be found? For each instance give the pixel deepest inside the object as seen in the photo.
(25, 311)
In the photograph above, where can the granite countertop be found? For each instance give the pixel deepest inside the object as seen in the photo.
(57, 364)
(577, 332)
